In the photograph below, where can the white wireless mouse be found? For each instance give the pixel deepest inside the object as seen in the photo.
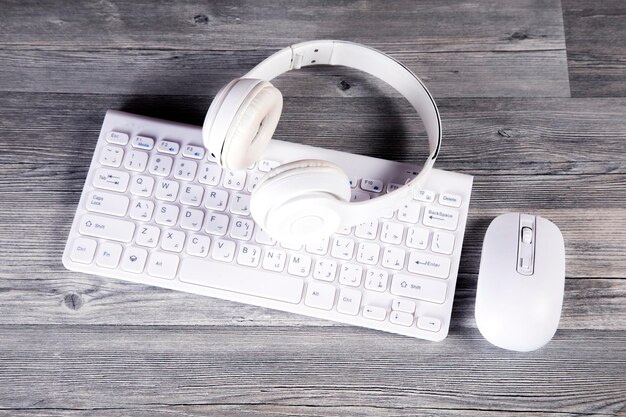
(521, 282)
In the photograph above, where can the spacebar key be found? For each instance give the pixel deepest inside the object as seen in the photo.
(229, 278)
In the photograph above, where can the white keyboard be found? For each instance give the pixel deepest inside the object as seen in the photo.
(157, 210)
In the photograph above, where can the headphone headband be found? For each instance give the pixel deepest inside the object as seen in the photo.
(375, 63)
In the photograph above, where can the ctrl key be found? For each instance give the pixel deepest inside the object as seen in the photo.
(83, 250)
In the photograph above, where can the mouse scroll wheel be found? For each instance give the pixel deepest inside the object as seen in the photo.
(527, 235)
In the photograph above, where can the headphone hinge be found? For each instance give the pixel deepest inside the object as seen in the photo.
(311, 53)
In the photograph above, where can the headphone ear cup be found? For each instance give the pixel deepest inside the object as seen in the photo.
(252, 128)
(296, 202)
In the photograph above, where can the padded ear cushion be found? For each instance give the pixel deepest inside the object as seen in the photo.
(295, 180)
(252, 127)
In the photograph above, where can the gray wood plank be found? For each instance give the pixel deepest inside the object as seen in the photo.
(31, 296)
(425, 26)
(303, 372)
(596, 47)
(460, 49)
(447, 74)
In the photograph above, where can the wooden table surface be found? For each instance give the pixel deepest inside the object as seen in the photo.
(532, 96)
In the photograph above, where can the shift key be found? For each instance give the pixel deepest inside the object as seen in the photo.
(106, 228)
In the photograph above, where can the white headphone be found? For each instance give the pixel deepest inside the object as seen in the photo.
(306, 200)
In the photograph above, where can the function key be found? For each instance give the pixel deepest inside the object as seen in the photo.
(426, 196)
(166, 146)
(266, 165)
(391, 187)
(143, 142)
(195, 152)
(451, 200)
(375, 186)
(118, 138)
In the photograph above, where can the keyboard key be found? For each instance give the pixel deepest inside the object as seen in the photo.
(353, 182)
(163, 265)
(376, 280)
(320, 296)
(191, 219)
(391, 187)
(217, 224)
(216, 199)
(107, 203)
(253, 180)
(118, 138)
(367, 230)
(106, 228)
(392, 233)
(108, 255)
(359, 196)
(299, 265)
(274, 260)
(111, 156)
(442, 218)
(344, 230)
(168, 146)
(393, 258)
(417, 238)
(194, 152)
(192, 195)
(450, 200)
(375, 186)
(343, 248)
(234, 180)
(349, 302)
(260, 284)
(431, 324)
(185, 170)
(425, 196)
(325, 270)
(431, 265)
(319, 247)
(266, 165)
(263, 238)
(350, 274)
(198, 245)
(406, 306)
(147, 236)
(374, 313)
(424, 289)
(160, 165)
(401, 318)
(291, 246)
(83, 250)
(136, 161)
(111, 180)
(443, 242)
(241, 228)
(134, 260)
(249, 255)
(143, 142)
(173, 240)
(142, 210)
(409, 212)
(223, 250)
(209, 174)
(142, 185)
(240, 204)
(368, 253)
(167, 215)
(167, 190)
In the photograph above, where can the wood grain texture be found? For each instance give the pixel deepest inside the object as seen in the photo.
(338, 371)
(74, 344)
(596, 47)
(494, 50)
